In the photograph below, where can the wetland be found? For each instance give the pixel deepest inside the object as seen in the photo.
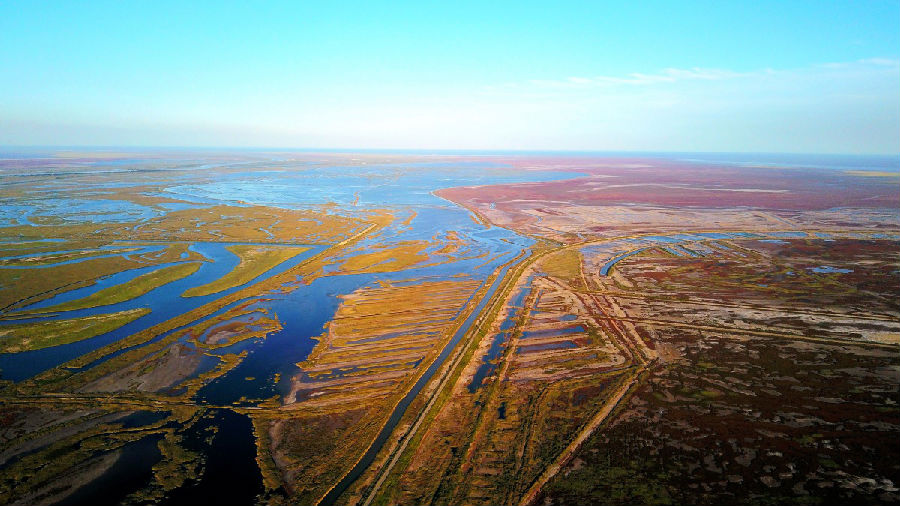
(399, 328)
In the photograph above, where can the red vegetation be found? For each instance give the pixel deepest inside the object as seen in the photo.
(681, 184)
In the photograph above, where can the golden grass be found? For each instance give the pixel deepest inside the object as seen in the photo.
(251, 224)
(19, 287)
(564, 265)
(39, 259)
(216, 223)
(127, 291)
(388, 260)
(255, 260)
(872, 173)
(377, 332)
(35, 336)
(62, 379)
(36, 246)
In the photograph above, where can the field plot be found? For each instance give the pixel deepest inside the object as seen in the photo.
(719, 362)
(546, 367)
(773, 373)
(379, 340)
(647, 362)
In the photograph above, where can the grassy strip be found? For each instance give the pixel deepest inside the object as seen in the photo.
(255, 260)
(394, 259)
(216, 223)
(35, 336)
(17, 247)
(48, 260)
(872, 173)
(565, 265)
(20, 287)
(127, 291)
(61, 378)
(271, 476)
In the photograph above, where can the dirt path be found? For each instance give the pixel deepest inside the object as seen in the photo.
(579, 440)
(505, 292)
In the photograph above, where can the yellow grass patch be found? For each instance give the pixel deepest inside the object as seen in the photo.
(255, 260)
(35, 336)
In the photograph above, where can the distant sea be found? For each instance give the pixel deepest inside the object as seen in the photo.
(889, 163)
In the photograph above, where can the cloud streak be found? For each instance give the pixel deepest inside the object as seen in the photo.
(828, 107)
(695, 74)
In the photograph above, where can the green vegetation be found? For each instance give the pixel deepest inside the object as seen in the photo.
(62, 378)
(19, 287)
(91, 446)
(35, 336)
(177, 465)
(565, 265)
(255, 260)
(130, 290)
(635, 484)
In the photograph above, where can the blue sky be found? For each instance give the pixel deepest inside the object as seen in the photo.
(679, 76)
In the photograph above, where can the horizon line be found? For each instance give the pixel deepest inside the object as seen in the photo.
(473, 151)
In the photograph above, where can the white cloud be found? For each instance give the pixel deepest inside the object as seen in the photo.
(836, 107)
(886, 62)
(679, 75)
(669, 75)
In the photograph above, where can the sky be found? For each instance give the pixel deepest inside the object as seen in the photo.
(760, 76)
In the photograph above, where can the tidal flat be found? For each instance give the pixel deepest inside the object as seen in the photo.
(381, 328)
